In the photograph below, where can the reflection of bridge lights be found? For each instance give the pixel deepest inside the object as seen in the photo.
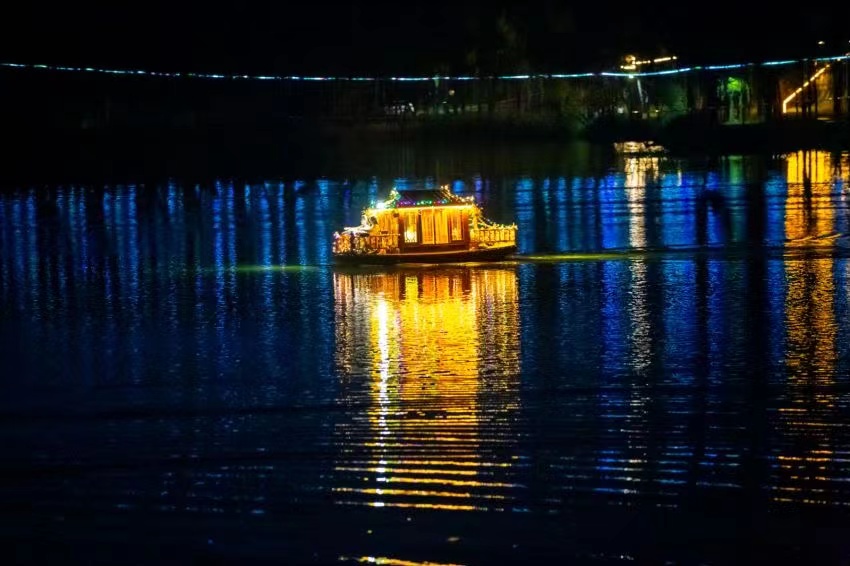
(809, 208)
(812, 337)
(641, 334)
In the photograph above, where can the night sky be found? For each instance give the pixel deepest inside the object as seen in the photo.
(325, 37)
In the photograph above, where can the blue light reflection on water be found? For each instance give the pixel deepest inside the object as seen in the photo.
(172, 337)
(524, 202)
(612, 213)
(775, 194)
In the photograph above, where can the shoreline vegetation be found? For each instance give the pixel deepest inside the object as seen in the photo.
(82, 125)
(687, 134)
(323, 147)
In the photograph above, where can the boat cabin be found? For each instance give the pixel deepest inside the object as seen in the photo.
(423, 221)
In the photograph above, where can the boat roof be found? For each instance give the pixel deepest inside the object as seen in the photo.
(424, 197)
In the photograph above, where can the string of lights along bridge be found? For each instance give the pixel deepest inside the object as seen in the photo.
(629, 71)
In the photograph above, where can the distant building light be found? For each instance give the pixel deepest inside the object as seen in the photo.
(631, 62)
(791, 96)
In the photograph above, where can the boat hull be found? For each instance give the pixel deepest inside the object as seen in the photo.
(453, 256)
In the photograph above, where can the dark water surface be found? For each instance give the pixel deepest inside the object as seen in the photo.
(662, 377)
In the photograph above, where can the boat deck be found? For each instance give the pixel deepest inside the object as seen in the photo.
(488, 254)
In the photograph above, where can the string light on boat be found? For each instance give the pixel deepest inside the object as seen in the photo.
(395, 200)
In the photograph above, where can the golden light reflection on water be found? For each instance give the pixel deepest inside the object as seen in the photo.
(807, 419)
(809, 210)
(639, 172)
(433, 357)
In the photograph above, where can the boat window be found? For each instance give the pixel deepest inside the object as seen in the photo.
(441, 227)
(454, 225)
(387, 224)
(427, 217)
(410, 232)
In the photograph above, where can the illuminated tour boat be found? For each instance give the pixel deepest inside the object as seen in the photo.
(424, 226)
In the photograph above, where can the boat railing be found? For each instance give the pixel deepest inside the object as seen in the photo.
(381, 242)
(388, 243)
(364, 243)
(496, 235)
